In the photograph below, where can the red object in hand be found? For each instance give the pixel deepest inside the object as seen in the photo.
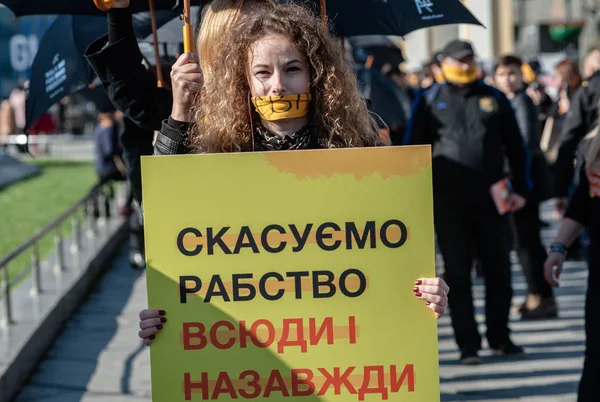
(500, 192)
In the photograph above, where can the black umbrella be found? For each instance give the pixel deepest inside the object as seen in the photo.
(371, 41)
(79, 7)
(98, 96)
(392, 17)
(349, 17)
(352, 18)
(59, 67)
(380, 47)
(384, 55)
(387, 100)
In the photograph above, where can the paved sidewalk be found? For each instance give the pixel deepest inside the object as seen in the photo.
(550, 372)
(98, 357)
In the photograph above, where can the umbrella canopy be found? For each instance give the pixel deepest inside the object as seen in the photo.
(79, 7)
(372, 41)
(349, 17)
(383, 50)
(373, 18)
(59, 67)
(393, 17)
(98, 96)
(387, 100)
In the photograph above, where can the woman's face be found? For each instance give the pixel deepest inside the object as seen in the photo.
(277, 68)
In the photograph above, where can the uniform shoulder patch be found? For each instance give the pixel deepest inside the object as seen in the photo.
(486, 104)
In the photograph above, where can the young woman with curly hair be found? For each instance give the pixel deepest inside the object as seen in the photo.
(281, 53)
(282, 83)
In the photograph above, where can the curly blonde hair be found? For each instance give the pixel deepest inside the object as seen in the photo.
(338, 114)
(218, 17)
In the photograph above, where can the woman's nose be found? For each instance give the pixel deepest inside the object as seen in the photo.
(277, 90)
(277, 87)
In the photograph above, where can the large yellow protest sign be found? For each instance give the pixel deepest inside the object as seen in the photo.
(289, 275)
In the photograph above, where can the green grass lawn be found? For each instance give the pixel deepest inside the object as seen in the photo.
(28, 206)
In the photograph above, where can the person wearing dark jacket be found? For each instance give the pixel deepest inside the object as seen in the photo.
(287, 45)
(540, 303)
(132, 88)
(469, 125)
(583, 212)
(118, 62)
(580, 120)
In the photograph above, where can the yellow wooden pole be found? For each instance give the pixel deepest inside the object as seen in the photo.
(188, 33)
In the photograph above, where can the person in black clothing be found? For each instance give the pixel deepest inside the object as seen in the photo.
(264, 60)
(108, 156)
(108, 151)
(111, 165)
(583, 212)
(398, 77)
(540, 303)
(580, 120)
(469, 124)
(117, 61)
(136, 142)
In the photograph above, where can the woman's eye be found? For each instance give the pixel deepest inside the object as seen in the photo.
(263, 72)
(293, 69)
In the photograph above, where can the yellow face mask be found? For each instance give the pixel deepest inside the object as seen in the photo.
(439, 78)
(273, 108)
(529, 75)
(459, 76)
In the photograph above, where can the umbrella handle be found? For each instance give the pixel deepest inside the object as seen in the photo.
(324, 13)
(188, 33)
(104, 5)
(188, 39)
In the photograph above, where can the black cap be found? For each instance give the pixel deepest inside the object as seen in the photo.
(457, 49)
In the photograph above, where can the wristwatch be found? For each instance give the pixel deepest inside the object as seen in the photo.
(558, 248)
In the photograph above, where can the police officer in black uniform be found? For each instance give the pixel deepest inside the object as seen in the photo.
(472, 128)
